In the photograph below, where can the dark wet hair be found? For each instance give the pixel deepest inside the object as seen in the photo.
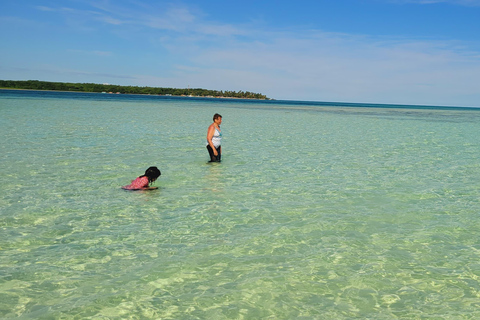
(152, 174)
(215, 116)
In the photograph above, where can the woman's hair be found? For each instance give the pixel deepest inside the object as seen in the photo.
(152, 174)
(216, 116)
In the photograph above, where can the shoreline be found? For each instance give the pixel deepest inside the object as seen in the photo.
(140, 94)
(41, 85)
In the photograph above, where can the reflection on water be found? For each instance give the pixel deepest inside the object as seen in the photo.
(314, 212)
(213, 177)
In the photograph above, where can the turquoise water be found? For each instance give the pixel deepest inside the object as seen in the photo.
(316, 211)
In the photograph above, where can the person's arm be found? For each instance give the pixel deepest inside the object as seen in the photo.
(210, 133)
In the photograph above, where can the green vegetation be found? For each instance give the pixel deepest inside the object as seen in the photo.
(94, 87)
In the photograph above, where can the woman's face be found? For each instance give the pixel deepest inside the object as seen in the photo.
(218, 121)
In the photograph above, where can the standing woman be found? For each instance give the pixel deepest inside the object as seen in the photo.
(214, 139)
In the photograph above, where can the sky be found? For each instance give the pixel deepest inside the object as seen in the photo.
(420, 52)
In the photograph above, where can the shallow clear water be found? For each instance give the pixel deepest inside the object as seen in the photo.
(315, 212)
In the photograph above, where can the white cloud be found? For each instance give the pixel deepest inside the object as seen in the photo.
(176, 19)
(337, 68)
(94, 52)
(305, 64)
(44, 8)
(51, 9)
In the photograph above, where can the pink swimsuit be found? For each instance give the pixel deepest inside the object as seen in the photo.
(139, 183)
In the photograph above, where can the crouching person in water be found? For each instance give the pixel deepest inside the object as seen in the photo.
(214, 139)
(143, 182)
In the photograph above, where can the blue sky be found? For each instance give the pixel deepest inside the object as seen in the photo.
(423, 52)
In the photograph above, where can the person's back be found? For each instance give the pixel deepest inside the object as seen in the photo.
(137, 184)
(143, 182)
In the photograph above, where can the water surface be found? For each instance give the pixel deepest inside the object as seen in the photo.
(317, 211)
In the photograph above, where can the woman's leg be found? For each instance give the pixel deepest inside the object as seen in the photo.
(210, 152)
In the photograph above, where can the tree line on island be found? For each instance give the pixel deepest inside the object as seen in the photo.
(110, 88)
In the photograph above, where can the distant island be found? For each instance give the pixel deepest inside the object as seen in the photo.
(110, 88)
